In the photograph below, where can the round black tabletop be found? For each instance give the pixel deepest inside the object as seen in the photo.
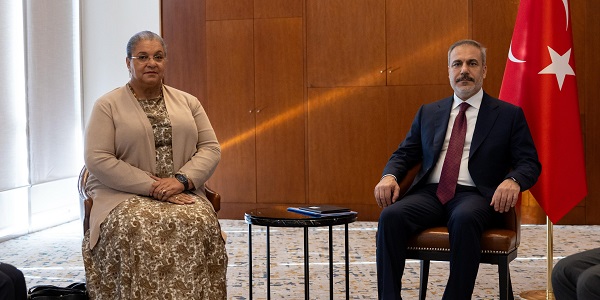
(279, 216)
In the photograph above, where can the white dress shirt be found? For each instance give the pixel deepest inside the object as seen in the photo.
(464, 177)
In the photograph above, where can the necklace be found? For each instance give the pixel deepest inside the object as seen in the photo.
(138, 99)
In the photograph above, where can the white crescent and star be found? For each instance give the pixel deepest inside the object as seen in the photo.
(559, 66)
(560, 63)
(512, 57)
(566, 4)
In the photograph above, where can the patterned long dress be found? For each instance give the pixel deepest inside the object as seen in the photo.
(150, 249)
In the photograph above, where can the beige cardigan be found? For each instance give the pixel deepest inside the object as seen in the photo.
(119, 149)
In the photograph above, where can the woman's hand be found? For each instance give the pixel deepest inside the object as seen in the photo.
(166, 189)
(181, 198)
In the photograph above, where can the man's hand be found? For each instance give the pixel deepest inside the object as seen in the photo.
(386, 191)
(506, 196)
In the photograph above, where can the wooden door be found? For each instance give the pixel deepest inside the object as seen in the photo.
(228, 9)
(278, 8)
(418, 36)
(347, 132)
(186, 47)
(230, 81)
(345, 43)
(280, 110)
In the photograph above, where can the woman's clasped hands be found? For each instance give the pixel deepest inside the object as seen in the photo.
(169, 190)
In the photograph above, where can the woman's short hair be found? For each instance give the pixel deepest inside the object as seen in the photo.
(144, 36)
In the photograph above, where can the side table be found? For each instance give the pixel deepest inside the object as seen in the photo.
(279, 217)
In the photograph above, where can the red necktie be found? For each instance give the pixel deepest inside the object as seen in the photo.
(451, 167)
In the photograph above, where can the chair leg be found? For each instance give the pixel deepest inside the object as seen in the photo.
(424, 279)
(511, 296)
(505, 285)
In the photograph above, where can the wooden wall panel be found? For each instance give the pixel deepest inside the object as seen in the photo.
(531, 212)
(347, 144)
(229, 9)
(494, 30)
(280, 110)
(589, 62)
(184, 31)
(230, 71)
(345, 43)
(418, 36)
(278, 8)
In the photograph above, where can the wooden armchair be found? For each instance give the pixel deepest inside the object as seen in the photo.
(498, 245)
(87, 202)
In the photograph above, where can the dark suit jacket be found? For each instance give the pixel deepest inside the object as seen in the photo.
(502, 146)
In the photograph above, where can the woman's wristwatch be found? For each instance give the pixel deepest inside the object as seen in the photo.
(183, 179)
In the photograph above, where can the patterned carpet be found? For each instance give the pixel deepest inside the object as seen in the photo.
(53, 256)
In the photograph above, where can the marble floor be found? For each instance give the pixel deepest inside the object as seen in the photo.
(53, 256)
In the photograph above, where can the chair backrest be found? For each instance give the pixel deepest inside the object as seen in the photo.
(408, 179)
(86, 201)
(510, 220)
(213, 197)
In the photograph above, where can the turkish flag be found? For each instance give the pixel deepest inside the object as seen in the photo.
(540, 77)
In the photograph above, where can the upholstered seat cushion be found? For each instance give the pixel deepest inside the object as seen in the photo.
(436, 238)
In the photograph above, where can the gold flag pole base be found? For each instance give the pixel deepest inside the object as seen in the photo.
(547, 294)
(537, 295)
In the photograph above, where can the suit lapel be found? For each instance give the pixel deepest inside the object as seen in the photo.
(488, 113)
(442, 115)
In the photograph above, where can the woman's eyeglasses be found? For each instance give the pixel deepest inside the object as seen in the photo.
(145, 58)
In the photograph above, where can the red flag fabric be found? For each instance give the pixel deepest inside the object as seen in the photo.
(540, 77)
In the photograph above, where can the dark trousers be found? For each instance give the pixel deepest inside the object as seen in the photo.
(577, 276)
(467, 215)
(12, 283)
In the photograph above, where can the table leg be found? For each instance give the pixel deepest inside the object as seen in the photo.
(306, 260)
(330, 263)
(250, 261)
(268, 265)
(347, 262)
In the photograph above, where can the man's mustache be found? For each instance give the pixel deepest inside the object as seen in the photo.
(464, 77)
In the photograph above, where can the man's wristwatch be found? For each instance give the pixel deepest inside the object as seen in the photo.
(181, 178)
(515, 180)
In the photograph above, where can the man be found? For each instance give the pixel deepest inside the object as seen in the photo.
(12, 283)
(495, 160)
(577, 276)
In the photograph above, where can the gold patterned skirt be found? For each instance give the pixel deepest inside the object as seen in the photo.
(157, 250)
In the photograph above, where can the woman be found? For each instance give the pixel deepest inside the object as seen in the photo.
(149, 149)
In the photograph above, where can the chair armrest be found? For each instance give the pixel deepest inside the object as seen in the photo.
(213, 197)
(511, 220)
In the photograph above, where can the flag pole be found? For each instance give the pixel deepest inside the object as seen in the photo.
(548, 294)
